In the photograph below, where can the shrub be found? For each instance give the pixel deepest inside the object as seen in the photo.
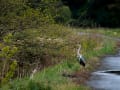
(8, 63)
(63, 15)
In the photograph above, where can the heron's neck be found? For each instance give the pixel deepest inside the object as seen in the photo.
(78, 52)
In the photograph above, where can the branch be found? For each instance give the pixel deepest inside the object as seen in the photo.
(33, 73)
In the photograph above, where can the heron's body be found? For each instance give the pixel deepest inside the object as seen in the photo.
(82, 61)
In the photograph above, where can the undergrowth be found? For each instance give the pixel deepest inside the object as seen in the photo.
(54, 47)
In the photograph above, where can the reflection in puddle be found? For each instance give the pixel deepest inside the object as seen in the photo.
(113, 72)
(116, 72)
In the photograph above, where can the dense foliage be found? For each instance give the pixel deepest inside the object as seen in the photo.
(103, 13)
(17, 15)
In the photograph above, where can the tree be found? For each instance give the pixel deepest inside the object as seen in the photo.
(95, 12)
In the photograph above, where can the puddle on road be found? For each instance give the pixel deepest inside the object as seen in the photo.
(108, 75)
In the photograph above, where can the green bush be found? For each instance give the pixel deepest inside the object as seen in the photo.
(63, 15)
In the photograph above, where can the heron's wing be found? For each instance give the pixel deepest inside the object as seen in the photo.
(82, 59)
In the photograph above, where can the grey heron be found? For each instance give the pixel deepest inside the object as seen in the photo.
(80, 57)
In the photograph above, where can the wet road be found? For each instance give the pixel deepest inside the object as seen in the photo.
(107, 77)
